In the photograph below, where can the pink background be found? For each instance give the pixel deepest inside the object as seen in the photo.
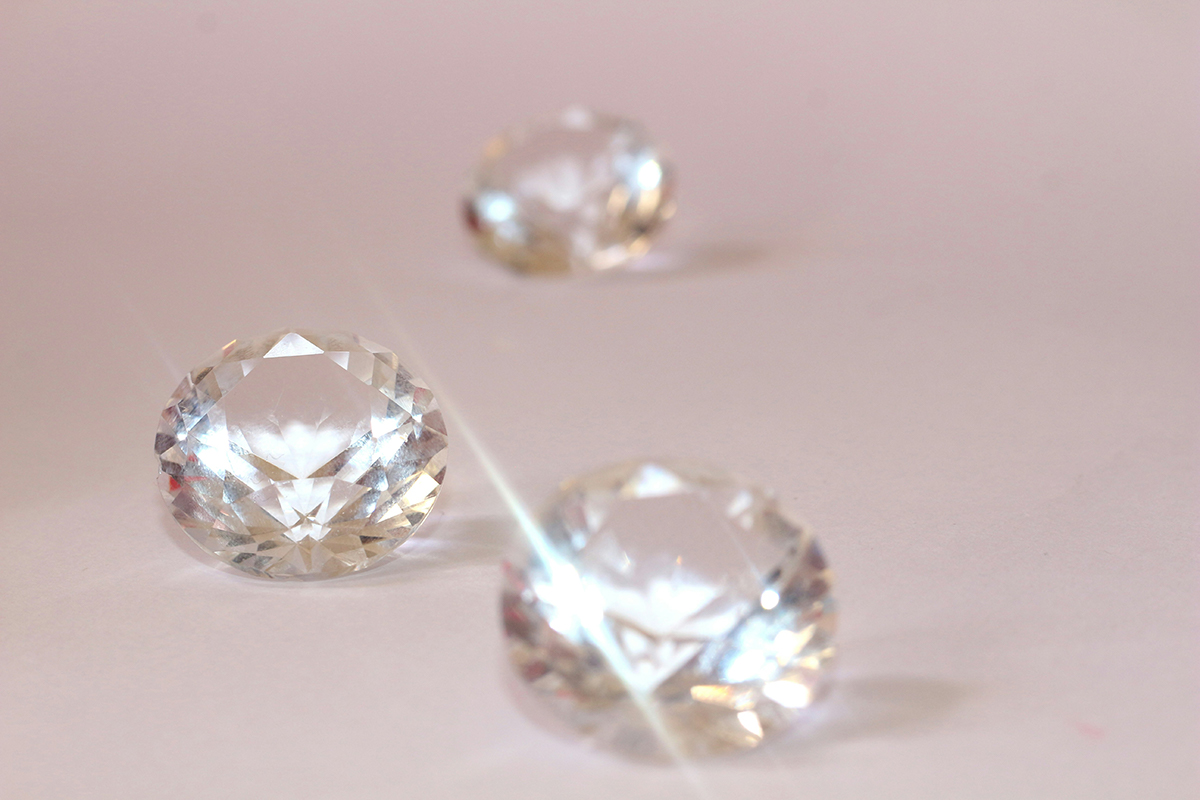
(934, 278)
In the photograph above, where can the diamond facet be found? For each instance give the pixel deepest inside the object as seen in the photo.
(301, 454)
(668, 609)
(579, 191)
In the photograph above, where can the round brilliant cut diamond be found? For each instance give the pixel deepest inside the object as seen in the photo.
(669, 609)
(579, 191)
(301, 454)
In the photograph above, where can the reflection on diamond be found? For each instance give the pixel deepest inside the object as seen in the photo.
(669, 609)
(301, 454)
(579, 191)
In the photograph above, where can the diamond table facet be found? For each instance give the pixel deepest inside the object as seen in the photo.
(301, 454)
(667, 609)
(579, 191)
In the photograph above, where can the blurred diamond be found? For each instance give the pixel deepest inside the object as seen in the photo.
(301, 454)
(579, 191)
(669, 609)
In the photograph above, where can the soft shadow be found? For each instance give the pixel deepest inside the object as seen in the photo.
(444, 542)
(871, 707)
(697, 259)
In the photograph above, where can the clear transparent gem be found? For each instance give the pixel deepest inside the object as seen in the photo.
(667, 609)
(301, 454)
(579, 191)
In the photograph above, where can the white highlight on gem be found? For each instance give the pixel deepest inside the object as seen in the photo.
(788, 694)
(746, 666)
(499, 208)
(750, 721)
(649, 175)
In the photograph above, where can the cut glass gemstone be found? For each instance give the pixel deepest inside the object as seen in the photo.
(578, 191)
(667, 609)
(301, 454)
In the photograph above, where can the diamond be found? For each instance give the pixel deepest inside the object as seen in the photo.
(668, 609)
(301, 454)
(578, 191)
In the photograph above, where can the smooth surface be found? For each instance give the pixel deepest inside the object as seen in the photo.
(933, 277)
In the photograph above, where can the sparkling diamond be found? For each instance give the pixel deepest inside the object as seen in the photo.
(579, 191)
(667, 609)
(301, 454)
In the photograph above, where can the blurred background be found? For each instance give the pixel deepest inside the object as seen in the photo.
(933, 277)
